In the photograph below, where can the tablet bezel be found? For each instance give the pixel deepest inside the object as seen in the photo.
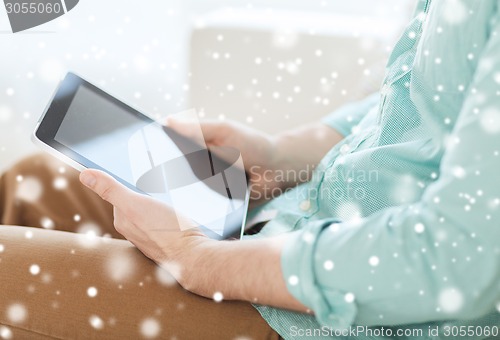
(50, 123)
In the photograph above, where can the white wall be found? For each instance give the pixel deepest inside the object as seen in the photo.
(380, 8)
(314, 56)
(136, 50)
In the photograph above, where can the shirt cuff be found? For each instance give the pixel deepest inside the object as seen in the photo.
(333, 309)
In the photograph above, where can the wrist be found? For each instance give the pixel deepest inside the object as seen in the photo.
(277, 156)
(187, 258)
(211, 268)
(285, 160)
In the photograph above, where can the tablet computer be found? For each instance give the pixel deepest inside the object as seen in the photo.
(88, 128)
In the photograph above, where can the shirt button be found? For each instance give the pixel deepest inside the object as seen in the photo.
(345, 149)
(305, 205)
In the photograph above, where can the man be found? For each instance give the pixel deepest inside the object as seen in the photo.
(408, 250)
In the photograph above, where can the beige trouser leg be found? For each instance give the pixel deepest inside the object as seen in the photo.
(40, 191)
(55, 284)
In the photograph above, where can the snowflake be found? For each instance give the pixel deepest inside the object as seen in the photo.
(285, 39)
(405, 189)
(5, 333)
(164, 277)
(92, 292)
(150, 328)
(17, 313)
(454, 11)
(218, 297)
(349, 211)
(459, 172)
(292, 68)
(450, 300)
(349, 298)
(328, 265)
(47, 223)
(490, 121)
(374, 261)
(419, 228)
(46, 278)
(34, 269)
(496, 77)
(120, 266)
(293, 280)
(89, 235)
(5, 113)
(96, 322)
(51, 70)
(29, 190)
(308, 237)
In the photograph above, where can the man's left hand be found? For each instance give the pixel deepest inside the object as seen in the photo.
(153, 227)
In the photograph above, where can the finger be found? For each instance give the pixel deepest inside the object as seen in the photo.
(190, 129)
(109, 189)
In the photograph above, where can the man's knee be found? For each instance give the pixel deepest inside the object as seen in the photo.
(37, 164)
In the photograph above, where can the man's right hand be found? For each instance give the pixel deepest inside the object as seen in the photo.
(273, 163)
(258, 151)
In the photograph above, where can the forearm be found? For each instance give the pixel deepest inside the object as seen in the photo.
(242, 270)
(303, 148)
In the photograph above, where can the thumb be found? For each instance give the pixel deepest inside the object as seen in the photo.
(108, 188)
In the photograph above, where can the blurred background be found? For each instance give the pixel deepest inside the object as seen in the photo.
(271, 64)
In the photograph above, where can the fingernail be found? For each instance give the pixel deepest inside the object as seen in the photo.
(88, 179)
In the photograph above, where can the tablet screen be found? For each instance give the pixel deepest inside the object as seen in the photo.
(109, 135)
(100, 130)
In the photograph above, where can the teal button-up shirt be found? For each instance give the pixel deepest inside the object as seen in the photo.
(400, 225)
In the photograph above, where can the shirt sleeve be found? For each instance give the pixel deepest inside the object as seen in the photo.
(435, 259)
(347, 117)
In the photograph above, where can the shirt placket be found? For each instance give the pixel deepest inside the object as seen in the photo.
(310, 206)
(389, 82)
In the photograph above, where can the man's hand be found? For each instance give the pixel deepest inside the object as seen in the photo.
(200, 265)
(153, 227)
(273, 163)
(257, 149)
